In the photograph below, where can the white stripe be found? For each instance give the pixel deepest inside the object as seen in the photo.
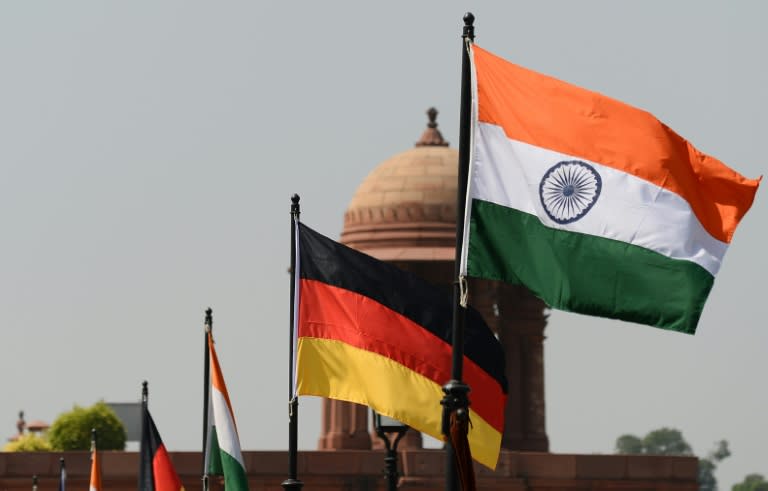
(225, 426)
(629, 209)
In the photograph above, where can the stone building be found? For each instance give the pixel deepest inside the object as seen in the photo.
(404, 212)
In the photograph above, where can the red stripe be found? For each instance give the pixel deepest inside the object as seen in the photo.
(166, 478)
(329, 312)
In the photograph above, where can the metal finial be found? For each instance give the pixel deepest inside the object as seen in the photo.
(295, 205)
(432, 136)
(432, 115)
(469, 26)
(208, 319)
(144, 391)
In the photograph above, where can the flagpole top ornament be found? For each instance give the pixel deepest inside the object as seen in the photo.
(144, 390)
(208, 319)
(431, 136)
(469, 26)
(295, 205)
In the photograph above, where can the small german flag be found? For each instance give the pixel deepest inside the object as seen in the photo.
(371, 333)
(156, 471)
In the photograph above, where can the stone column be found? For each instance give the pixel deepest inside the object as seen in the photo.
(518, 319)
(344, 426)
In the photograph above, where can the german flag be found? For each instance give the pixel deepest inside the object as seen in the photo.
(371, 333)
(156, 471)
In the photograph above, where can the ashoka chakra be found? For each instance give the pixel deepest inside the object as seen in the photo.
(568, 190)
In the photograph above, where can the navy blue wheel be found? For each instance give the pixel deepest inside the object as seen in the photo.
(568, 190)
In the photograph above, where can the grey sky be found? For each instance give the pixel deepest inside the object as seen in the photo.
(149, 150)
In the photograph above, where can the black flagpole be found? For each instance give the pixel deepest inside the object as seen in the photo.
(456, 399)
(206, 393)
(145, 475)
(292, 483)
(62, 475)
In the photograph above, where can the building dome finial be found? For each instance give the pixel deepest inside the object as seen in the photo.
(431, 136)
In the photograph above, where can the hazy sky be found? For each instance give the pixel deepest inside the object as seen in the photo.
(149, 150)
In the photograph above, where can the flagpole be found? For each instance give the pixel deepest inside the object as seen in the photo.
(62, 475)
(456, 399)
(293, 483)
(206, 393)
(94, 461)
(34, 482)
(144, 471)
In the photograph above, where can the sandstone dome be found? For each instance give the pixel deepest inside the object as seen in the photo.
(405, 209)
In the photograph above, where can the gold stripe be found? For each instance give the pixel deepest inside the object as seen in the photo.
(330, 368)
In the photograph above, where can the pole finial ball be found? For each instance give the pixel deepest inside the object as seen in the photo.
(469, 19)
(295, 199)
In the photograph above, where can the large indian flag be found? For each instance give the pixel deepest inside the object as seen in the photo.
(232, 464)
(595, 206)
(95, 482)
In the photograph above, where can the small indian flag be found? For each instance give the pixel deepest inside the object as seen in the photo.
(95, 484)
(595, 206)
(226, 430)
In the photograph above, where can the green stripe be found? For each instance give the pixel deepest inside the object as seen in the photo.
(234, 474)
(214, 461)
(583, 273)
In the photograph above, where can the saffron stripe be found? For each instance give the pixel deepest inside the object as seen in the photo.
(575, 121)
(217, 379)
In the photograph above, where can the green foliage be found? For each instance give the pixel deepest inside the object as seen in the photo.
(707, 480)
(707, 466)
(629, 444)
(753, 482)
(72, 430)
(669, 441)
(720, 452)
(664, 441)
(29, 442)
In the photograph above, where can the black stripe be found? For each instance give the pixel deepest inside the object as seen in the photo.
(328, 261)
(150, 442)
